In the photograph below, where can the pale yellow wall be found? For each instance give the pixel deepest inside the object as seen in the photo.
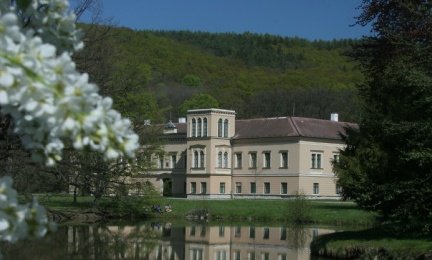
(215, 184)
(327, 185)
(298, 175)
(272, 145)
(275, 184)
(198, 181)
(326, 147)
(211, 147)
(212, 115)
(178, 148)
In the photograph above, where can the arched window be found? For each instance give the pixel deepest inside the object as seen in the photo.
(193, 134)
(220, 127)
(226, 128)
(219, 160)
(199, 127)
(201, 159)
(205, 127)
(196, 159)
(225, 160)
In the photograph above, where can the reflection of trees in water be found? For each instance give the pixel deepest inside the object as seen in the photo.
(297, 236)
(90, 242)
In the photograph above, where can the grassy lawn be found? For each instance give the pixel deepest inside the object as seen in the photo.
(65, 202)
(372, 242)
(319, 212)
(322, 212)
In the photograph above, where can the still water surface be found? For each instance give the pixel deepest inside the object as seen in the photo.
(166, 241)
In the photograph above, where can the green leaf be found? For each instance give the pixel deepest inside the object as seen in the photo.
(23, 4)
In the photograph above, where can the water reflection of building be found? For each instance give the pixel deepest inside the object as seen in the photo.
(248, 242)
(149, 241)
(194, 242)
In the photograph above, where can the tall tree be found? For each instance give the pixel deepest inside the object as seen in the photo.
(198, 101)
(387, 164)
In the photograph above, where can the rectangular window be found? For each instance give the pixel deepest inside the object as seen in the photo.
(203, 187)
(219, 160)
(203, 231)
(266, 187)
(225, 160)
(284, 159)
(201, 160)
(205, 127)
(266, 233)
(251, 232)
(266, 160)
(237, 232)
(196, 159)
(338, 189)
(282, 257)
(253, 187)
(196, 253)
(252, 160)
(284, 188)
(316, 160)
(335, 158)
(316, 188)
(221, 231)
(161, 162)
(238, 187)
(173, 161)
(251, 256)
(283, 234)
(192, 231)
(222, 188)
(238, 161)
(221, 255)
(265, 256)
(236, 255)
(193, 187)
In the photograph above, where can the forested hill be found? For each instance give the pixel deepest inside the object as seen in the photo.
(160, 74)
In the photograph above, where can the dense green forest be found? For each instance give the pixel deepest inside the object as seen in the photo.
(157, 75)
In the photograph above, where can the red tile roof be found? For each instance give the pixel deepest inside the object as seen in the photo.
(284, 127)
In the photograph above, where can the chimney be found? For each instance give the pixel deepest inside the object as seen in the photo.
(182, 120)
(334, 117)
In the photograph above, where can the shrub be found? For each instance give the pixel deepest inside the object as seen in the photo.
(299, 210)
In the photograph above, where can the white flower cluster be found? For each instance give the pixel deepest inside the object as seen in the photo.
(50, 20)
(20, 221)
(51, 102)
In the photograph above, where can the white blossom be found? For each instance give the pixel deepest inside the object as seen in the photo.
(20, 221)
(50, 102)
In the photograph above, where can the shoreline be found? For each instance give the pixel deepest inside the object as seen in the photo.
(343, 215)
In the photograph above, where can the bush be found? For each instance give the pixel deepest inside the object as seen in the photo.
(191, 80)
(299, 210)
(134, 206)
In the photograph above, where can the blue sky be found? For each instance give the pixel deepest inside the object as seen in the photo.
(311, 19)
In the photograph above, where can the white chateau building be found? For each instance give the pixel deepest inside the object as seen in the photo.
(213, 155)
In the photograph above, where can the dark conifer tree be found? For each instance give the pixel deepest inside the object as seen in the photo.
(387, 164)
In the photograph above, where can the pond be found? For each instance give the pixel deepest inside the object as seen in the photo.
(151, 240)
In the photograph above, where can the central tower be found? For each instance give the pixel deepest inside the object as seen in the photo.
(208, 169)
